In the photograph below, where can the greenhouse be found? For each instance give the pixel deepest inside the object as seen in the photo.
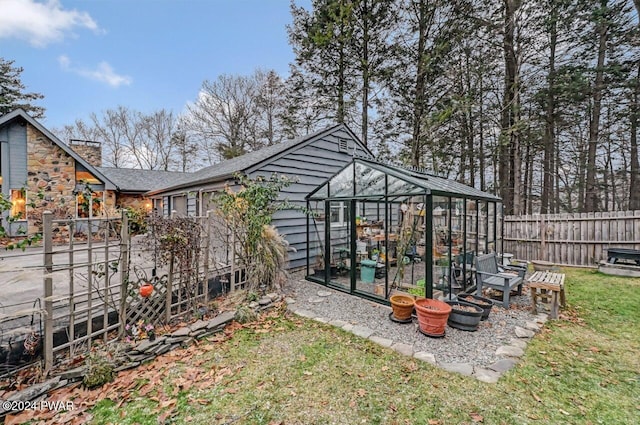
(376, 229)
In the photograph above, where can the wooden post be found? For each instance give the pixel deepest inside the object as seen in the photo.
(543, 238)
(89, 282)
(47, 230)
(124, 270)
(169, 294)
(107, 282)
(72, 303)
(233, 282)
(207, 245)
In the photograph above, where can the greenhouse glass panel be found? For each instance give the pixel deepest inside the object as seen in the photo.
(341, 185)
(369, 182)
(441, 242)
(491, 229)
(321, 193)
(316, 240)
(397, 185)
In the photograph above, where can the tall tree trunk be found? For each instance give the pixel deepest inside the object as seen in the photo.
(591, 189)
(470, 131)
(508, 150)
(634, 193)
(365, 73)
(481, 136)
(340, 113)
(421, 75)
(550, 112)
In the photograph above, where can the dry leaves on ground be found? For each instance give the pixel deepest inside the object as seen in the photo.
(146, 380)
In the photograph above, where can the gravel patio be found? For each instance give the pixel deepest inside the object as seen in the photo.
(485, 354)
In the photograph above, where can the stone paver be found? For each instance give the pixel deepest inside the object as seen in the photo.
(510, 351)
(264, 301)
(461, 368)
(200, 324)
(181, 332)
(403, 348)
(520, 343)
(385, 342)
(425, 357)
(533, 326)
(324, 293)
(273, 296)
(305, 313)
(316, 300)
(524, 333)
(221, 319)
(503, 365)
(337, 323)
(362, 331)
(487, 375)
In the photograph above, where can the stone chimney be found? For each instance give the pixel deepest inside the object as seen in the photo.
(90, 151)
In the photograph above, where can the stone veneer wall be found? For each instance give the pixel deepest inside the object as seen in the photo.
(138, 202)
(90, 151)
(52, 170)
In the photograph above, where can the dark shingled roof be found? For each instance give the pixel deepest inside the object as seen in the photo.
(135, 180)
(238, 164)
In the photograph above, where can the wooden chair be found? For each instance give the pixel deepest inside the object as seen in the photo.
(489, 274)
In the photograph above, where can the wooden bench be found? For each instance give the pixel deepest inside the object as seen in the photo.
(503, 279)
(548, 281)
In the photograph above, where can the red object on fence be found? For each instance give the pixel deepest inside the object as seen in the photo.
(146, 289)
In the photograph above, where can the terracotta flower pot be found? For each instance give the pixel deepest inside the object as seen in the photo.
(146, 290)
(402, 306)
(432, 316)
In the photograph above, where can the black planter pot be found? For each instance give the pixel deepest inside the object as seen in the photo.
(464, 320)
(484, 303)
(320, 273)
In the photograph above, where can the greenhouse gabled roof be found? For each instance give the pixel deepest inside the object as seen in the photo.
(366, 178)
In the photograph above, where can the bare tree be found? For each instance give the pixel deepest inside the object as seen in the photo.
(223, 115)
(270, 106)
(156, 148)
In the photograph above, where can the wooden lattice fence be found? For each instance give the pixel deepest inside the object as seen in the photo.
(90, 287)
(579, 239)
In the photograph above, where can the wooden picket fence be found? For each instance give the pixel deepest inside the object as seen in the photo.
(578, 239)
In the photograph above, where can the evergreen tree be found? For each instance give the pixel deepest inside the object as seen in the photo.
(322, 43)
(12, 94)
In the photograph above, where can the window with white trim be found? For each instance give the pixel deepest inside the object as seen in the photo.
(338, 213)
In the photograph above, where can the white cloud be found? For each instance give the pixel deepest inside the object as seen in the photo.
(40, 23)
(103, 73)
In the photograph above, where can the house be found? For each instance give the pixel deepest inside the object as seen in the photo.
(39, 172)
(133, 184)
(35, 162)
(308, 161)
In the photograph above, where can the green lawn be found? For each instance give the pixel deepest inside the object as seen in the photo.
(584, 369)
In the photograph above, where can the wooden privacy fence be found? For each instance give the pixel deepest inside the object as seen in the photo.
(578, 239)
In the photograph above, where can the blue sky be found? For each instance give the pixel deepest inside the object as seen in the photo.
(91, 55)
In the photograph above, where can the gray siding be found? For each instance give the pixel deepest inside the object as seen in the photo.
(310, 165)
(18, 161)
(15, 177)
